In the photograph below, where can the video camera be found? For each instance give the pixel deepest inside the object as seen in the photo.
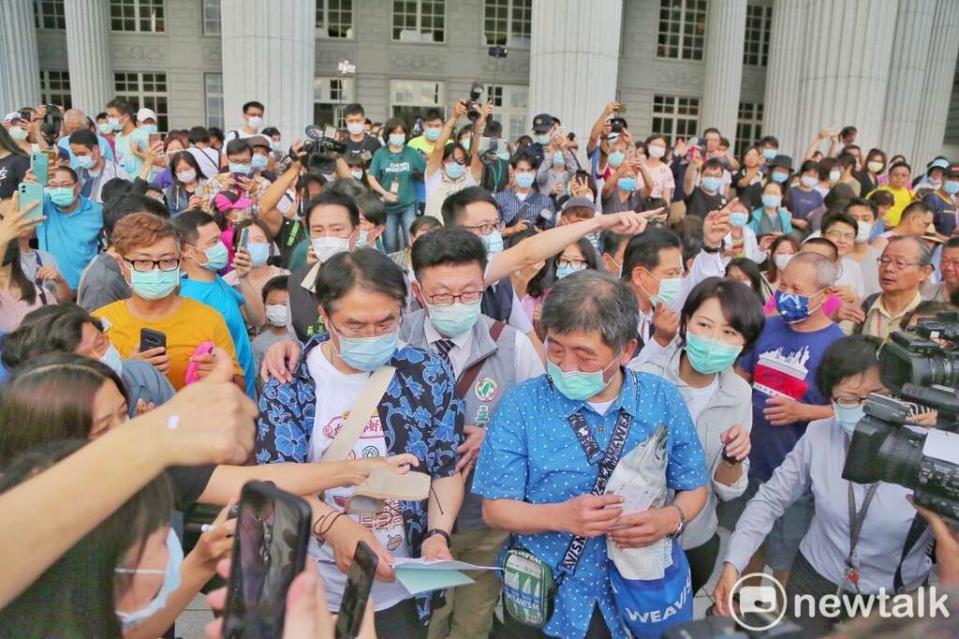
(321, 146)
(921, 368)
(473, 107)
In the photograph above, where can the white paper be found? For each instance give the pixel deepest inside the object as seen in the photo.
(438, 564)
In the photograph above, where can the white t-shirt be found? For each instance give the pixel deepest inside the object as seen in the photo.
(698, 398)
(433, 181)
(850, 274)
(332, 405)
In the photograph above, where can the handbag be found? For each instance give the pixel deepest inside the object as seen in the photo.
(529, 587)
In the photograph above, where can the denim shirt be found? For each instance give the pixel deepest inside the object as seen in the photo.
(531, 454)
(420, 412)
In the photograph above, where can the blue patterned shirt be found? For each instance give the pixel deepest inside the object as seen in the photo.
(531, 454)
(515, 210)
(420, 412)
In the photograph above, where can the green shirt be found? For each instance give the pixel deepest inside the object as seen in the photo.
(388, 167)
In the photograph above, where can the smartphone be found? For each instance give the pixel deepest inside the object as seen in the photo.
(40, 165)
(358, 583)
(155, 138)
(269, 551)
(29, 193)
(245, 237)
(150, 338)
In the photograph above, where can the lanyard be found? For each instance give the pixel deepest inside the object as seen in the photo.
(856, 519)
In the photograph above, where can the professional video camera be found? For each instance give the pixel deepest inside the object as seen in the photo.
(921, 368)
(473, 106)
(321, 146)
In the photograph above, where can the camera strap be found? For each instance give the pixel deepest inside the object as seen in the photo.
(856, 519)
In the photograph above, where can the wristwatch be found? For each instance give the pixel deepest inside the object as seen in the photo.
(682, 521)
(442, 533)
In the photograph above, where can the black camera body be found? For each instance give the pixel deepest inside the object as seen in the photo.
(320, 147)
(473, 106)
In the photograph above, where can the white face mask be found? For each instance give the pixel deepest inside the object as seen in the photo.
(782, 259)
(254, 121)
(656, 151)
(355, 128)
(277, 314)
(326, 247)
(863, 232)
(186, 177)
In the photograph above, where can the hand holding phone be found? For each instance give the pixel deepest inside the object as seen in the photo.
(150, 338)
(359, 581)
(40, 166)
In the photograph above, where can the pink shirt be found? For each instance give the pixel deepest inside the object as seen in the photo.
(662, 178)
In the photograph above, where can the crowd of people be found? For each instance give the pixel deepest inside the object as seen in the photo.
(600, 349)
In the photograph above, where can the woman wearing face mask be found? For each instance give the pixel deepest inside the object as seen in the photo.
(871, 173)
(772, 217)
(804, 199)
(748, 180)
(447, 171)
(25, 135)
(260, 248)
(391, 175)
(18, 295)
(741, 241)
(556, 169)
(14, 164)
(578, 256)
(173, 144)
(186, 178)
(746, 271)
(655, 171)
(781, 251)
(719, 320)
(944, 202)
(831, 560)
(898, 186)
(625, 190)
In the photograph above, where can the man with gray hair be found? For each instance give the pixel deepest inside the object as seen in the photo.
(782, 369)
(904, 266)
(76, 120)
(551, 447)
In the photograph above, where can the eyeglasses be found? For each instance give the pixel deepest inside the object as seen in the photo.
(145, 265)
(485, 229)
(574, 263)
(838, 235)
(899, 265)
(445, 299)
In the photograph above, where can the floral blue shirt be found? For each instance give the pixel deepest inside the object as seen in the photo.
(420, 412)
(531, 454)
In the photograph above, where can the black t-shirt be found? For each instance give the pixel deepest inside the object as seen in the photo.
(12, 169)
(752, 195)
(354, 150)
(189, 482)
(701, 203)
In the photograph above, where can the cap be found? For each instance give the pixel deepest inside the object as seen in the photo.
(145, 114)
(12, 116)
(542, 123)
(258, 140)
(579, 202)
(938, 163)
(784, 161)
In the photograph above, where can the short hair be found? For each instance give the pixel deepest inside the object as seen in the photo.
(188, 224)
(524, 155)
(395, 123)
(913, 209)
(591, 301)
(711, 129)
(447, 245)
(713, 163)
(825, 268)
(838, 217)
(198, 134)
(86, 138)
(365, 268)
(353, 109)
(847, 356)
(846, 160)
(424, 223)
(372, 208)
(117, 208)
(768, 140)
(432, 114)
(66, 169)
(924, 247)
(881, 198)
(140, 229)
(494, 129)
(102, 115)
(951, 243)
(114, 188)
(278, 283)
(334, 198)
(238, 146)
(858, 201)
(215, 132)
(739, 303)
(926, 308)
(270, 131)
(454, 206)
(610, 241)
(643, 249)
(847, 131)
(122, 106)
(821, 241)
(900, 163)
(55, 328)
(253, 104)
(809, 165)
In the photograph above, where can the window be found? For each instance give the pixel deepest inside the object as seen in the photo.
(419, 20)
(144, 90)
(55, 88)
(211, 19)
(137, 15)
(410, 98)
(682, 29)
(675, 117)
(749, 128)
(508, 22)
(330, 95)
(510, 102)
(213, 91)
(48, 14)
(758, 24)
(334, 18)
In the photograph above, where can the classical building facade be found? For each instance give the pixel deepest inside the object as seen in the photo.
(787, 67)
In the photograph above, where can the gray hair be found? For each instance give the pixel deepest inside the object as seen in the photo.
(924, 247)
(826, 271)
(590, 301)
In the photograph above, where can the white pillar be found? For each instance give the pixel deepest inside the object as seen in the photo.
(725, 38)
(19, 65)
(88, 53)
(786, 51)
(269, 56)
(574, 61)
(937, 89)
(907, 72)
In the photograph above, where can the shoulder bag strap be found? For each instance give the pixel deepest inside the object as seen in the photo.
(470, 374)
(366, 404)
(916, 531)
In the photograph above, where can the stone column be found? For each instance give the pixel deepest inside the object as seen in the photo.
(268, 55)
(88, 52)
(19, 66)
(786, 51)
(937, 88)
(910, 53)
(725, 37)
(574, 61)
(845, 72)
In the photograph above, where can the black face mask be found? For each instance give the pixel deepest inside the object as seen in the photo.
(12, 253)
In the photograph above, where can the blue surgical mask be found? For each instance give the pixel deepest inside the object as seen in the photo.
(738, 218)
(259, 253)
(454, 170)
(710, 356)
(770, 154)
(18, 133)
(616, 158)
(524, 179)
(112, 359)
(362, 239)
(792, 307)
(772, 201)
(577, 385)
(504, 155)
(105, 128)
(62, 196)
(848, 416)
(566, 270)
(542, 138)
(155, 284)
(115, 124)
(669, 289)
(216, 257)
(627, 184)
(493, 243)
(397, 139)
(558, 158)
(243, 168)
(171, 581)
(259, 162)
(712, 184)
(951, 187)
(368, 353)
(780, 177)
(432, 133)
(149, 128)
(456, 319)
(357, 175)
(84, 162)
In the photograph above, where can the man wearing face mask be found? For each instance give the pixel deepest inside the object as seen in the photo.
(487, 358)
(74, 121)
(496, 163)
(522, 207)
(253, 121)
(360, 145)
(240, 178)
(150, 259)
(71, 226)
(542, 135)
(93, 168)
(944, 201)
(131, 143)
(710, 194)
(432, 129)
